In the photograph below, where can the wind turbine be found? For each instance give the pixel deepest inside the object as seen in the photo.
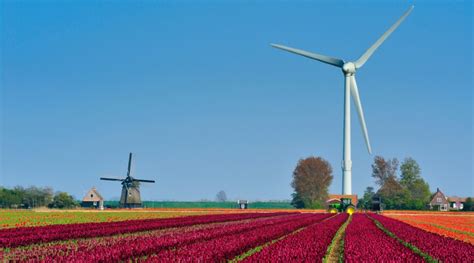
(350, 88)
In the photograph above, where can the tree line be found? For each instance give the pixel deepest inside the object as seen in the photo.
(400, 186)
(31, 197)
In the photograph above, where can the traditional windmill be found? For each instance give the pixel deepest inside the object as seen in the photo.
(130, 197)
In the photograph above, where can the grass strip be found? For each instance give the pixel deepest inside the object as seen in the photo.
(259, 248)
(413, 248)
(337, 244)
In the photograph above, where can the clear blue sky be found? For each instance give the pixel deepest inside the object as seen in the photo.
(197, 93)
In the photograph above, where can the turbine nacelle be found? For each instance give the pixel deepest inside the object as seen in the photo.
(349, 68)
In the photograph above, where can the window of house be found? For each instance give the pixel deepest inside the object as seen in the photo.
(454, 205)
(461, 206)
(438, 199)
(92, 195)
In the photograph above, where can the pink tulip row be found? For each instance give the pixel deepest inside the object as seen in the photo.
(14, 237)
(229, 246)
(142, 245)
(439, 247)
(364, 240)
(309, 245)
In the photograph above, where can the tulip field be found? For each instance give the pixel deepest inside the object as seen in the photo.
(236, 236)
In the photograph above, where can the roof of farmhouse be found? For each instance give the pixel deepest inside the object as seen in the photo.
(92, 196)
(453, 198)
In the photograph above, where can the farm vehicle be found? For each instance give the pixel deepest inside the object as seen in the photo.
(345, 205)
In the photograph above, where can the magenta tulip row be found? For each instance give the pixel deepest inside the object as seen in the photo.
(364, 240)
(309, 245)
(14, 237)
(137, 246)
(442, 248)
(228, 247)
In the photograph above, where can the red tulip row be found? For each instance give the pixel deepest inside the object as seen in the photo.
(442, 248)
(14, 237)
(364, 240)
(228, 247)
(65, 247)
(142, 245)
(309, 245)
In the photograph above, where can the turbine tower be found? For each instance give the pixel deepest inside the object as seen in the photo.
(350, 89)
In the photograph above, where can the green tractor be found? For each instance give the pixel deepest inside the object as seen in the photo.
(344, 206)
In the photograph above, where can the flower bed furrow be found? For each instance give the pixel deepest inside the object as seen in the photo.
(364, 240)
(228, 247)
(308, 245)
(30, 235)
(138, 246)
(442, 248)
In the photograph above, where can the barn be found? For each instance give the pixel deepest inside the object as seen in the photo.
(93, 199)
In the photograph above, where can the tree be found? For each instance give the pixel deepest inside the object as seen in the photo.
(296, 201)
(410, 171)
(221, 196)
(366, 200)
(411, 180)
(36, 197)
(62, 200)
(468, 205)
(394, 196)
(9, 198)
(311, 179)
(383, 169)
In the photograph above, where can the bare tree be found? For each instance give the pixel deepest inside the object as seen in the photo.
(311, 179)
(383, 169)
(221, 196)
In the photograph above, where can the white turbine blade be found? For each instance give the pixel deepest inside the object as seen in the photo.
(361, 61)
(325, 59)
(358, 105)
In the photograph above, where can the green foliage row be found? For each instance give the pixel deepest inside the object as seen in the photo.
(31, 197)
